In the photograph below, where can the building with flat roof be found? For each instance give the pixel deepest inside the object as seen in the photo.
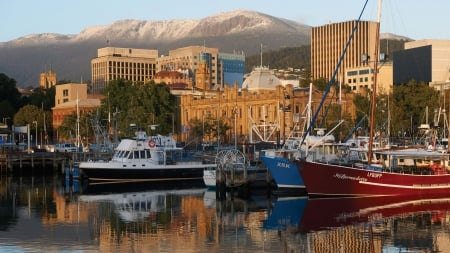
(113, 63)
(69, 97)
(224, 68)
(328, 42)
(361, 79)
(423, 61)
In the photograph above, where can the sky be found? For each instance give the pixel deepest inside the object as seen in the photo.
(411, 18)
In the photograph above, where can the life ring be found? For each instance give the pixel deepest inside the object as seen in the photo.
(151, 143)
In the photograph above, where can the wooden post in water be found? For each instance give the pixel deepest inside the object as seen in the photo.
(220, 183)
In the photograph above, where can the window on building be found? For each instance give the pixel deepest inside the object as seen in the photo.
(65, 92)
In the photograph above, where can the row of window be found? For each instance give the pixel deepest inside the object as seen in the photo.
(137, 154)
(360, 72)
(361, 79)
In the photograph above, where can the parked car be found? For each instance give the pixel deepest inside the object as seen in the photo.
(103, 148)
(65, 147)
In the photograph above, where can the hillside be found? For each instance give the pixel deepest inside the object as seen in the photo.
(300, 57)
(70, 55)
(285, 44)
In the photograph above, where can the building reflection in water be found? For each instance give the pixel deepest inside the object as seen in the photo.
(181, 220)
(44, 214)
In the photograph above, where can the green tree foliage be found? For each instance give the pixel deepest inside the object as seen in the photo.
(142, 105)
(43, 98)
(405, 108)
(294, 57)
(30, 113)
(10, 99)
(205, 129)
(409, 106)
(68, 129)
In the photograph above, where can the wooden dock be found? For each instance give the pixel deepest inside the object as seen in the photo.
(22, 163)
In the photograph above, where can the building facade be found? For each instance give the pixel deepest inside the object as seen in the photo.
(328, 42)
(262, 111)
(47, 80)
(361, 79)
(112, 63)
(424, 61)
(232, 68)
(70, 97)
(224, 68)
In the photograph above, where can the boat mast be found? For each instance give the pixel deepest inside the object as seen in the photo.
(333, 76)
(374, 89)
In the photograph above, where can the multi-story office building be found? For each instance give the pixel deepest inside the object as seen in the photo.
(112, 63)
(187, 60)
(424, 61)
(233, 68)
(328, 43)
(224, 68)
(362, 78)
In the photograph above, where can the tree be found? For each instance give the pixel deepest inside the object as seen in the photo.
(143, 105)
(10, 99)
(205, 129)
(409, 106)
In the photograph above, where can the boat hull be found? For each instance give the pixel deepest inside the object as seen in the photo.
(328, 213)
(109, 171)
(285, 173)
(209, 178)
(335, 180)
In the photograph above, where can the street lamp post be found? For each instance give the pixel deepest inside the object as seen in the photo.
(235, 112)
(35, 136)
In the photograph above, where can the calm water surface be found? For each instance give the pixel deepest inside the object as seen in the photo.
(45, 214)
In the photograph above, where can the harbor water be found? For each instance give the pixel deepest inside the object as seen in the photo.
(52, 214)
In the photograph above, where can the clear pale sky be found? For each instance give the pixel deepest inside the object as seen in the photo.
(411, 18)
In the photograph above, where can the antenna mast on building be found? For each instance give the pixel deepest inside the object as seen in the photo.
(260, 51)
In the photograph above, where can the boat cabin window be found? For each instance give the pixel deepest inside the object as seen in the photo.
(136, 154)
(126, 155)
(142, 154)
(148, 153)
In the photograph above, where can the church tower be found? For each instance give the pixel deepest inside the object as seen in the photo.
(203, 77)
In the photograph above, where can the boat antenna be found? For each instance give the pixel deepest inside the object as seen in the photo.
(331, 82)
(374, 89)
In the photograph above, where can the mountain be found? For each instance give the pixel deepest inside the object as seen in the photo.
(70, 55)
(238, 31)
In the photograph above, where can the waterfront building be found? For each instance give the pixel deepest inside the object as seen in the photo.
(356, 70)
(112, 63)
(71, 97)
(424, 61)
(263, 110)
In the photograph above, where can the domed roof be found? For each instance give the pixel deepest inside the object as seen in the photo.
(261, 78)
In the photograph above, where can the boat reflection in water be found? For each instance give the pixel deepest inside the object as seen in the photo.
(369, 224)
